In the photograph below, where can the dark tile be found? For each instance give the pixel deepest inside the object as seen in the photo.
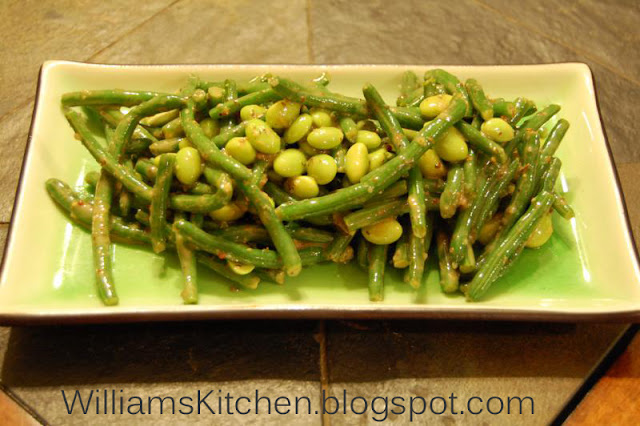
(33, 32)
(264, 31)
(437, 358)
(604, 32)
(274, 358)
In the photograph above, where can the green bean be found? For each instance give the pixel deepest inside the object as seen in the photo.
(362, 252)
(91, 178)
(429, 235)
(140, 135)
(127, 125)
(314, 97)
(400, 256)
(468, 264)
(522, 108)
(249, 281)
(101, 242)
(449, 276)
(231, 107)
(165, 146)
(526, 183)
(561, 206)
(309, 234)
(508, 246)
(81, 212)
(417, 259)
(120, 172)
(336, 250)
(432, 88)
(160, 201)
(408, 85)
(534, 123)
(377, 262)
(452, 85)
(470, 169)
(492, 199)
(408, 117)
(160, 119)
(504, 109)
(349, 128)
(339, 154)
(189, 269)
(416, 201)
(107, 97)
(550, 175)
(146, 169)
(553, 140)
(480, 142)
(226, 135)
(450, 198)
(173, 129)
(479, 99)
(380, 178)
(467, 219)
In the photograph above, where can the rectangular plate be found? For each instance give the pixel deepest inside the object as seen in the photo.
(589, 269)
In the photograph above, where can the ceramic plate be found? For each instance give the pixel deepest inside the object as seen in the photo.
(588, 270)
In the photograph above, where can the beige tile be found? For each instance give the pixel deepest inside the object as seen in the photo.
(34, 31)
(606, 32)
(14, 129)
(436, 358)
(264, 31)
(629, 178)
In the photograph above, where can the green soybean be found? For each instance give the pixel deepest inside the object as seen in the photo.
(262, 137)
(325, 137)
(240, 149)
(357, 162)
(290, 163)
(299, 129)
(322, 168)
(188, 166)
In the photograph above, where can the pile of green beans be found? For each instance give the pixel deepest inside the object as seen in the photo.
(255, 180)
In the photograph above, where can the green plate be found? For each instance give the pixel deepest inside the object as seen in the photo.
(588, 270)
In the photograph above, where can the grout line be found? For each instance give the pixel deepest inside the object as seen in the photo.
(132, 30)
(559, 42)
(28, 409)
(324, 371)
(310, 56)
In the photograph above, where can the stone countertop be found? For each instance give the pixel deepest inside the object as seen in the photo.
(295, 358)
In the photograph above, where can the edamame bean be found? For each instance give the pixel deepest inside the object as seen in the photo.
(308, 150)
(370, 139)
(385, 232)
(325, 137)
(431, 165)
(188, 165)
(302, 187)
(357, 162)
(262, 137)
(184, 143)
(377, 158)
(541, 233)
(240, 268)
(210, 127)
(282, 114)
(230, 212)
(498, 130)
(290, 163)
(434, 105)
(240, 149)
(322, 168)
(249, 112)
(298, 129)
(321, 117)
(452, 147)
